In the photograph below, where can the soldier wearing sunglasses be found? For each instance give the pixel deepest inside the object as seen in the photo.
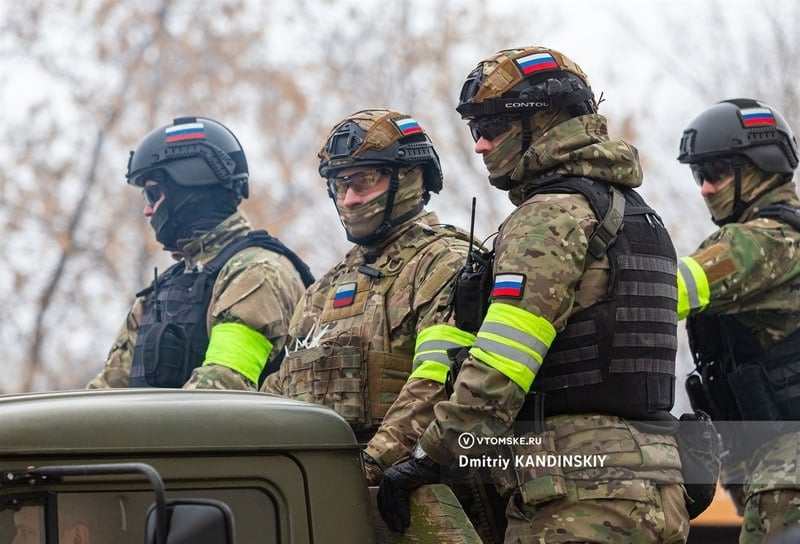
(741, 293)
(357, 347)
(578, 343)
(218, 316)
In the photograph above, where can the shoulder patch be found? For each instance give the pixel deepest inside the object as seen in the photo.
(508, 286)
(716, 261)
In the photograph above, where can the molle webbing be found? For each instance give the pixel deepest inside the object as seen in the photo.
(618, 356)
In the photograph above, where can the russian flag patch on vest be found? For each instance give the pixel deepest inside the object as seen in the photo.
(508, 286)
(345, 295)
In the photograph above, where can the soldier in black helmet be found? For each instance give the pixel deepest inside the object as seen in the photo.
(217, 317)
(739, 290)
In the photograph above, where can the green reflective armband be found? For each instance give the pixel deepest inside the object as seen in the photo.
(239, 348)
(694, 293)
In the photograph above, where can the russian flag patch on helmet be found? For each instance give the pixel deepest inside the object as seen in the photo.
(408, 126)
(757, 117)
(508, 286)
(345, 295)
(184, 132)
(537, 62)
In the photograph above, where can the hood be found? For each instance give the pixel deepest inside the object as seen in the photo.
(577, 147)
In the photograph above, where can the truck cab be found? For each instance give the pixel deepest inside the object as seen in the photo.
(158, 465)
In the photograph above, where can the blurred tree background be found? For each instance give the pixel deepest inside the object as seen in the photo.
(82, 81)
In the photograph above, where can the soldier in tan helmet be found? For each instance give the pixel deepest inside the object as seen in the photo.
(578, 344)
(357, 345)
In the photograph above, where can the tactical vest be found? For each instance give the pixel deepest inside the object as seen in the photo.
(173, 336)
(353, 369)
(742, 380)
(618, 355)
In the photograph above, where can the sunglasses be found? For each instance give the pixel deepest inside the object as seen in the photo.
(361, 183)
(489, 127)
(152, 194)
(712, 171)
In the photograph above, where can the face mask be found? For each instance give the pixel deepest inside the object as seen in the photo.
(362, 221)
(720, 204)
(507, 152)
(365, 219)
(186, 212)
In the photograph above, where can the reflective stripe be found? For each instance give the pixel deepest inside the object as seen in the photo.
(516, 335)
(694, 293)
(238, 347)
(513, 341)
(430, 359)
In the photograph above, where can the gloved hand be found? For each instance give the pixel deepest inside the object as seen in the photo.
(372, 470)
(397, 484)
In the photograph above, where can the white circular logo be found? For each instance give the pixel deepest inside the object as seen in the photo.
(466, 440)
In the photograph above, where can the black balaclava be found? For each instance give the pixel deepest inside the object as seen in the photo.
(187, 211)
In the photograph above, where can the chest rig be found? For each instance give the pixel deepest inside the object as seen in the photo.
(354, 368)
(173, 335)
(737, 378)
(618, 355)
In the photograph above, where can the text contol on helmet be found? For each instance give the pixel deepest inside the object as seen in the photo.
(382, 138)
(194, 152)
(741, 126)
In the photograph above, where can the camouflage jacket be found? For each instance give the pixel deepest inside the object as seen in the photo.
(753, 269)
(342, 310)
(545, 239)
(256, 287)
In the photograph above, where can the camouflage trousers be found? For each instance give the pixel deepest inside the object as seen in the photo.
(769, 513)
(655, 513)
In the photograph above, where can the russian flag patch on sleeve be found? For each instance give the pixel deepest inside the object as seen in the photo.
(508, 286)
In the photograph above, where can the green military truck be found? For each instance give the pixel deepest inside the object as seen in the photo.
(212, 467)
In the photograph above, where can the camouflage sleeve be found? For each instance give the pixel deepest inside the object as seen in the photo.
(256, 288)
(544, 244)
(742, 260)
(117, 366)
(412, 412)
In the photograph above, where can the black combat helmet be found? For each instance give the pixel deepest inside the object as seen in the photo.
(194, 152)
(741, 126)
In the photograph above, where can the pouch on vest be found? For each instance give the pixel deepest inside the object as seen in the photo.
(699, 448)
(166, 355)
(529, 474)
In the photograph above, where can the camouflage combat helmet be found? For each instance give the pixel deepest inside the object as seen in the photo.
(515, 84)
(741, 126)
(383, 139)
(194, 152)
(380, 137)
(522, 81)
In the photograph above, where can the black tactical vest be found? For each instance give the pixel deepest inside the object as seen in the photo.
(173, 338)
(741, 379)
(618, 356)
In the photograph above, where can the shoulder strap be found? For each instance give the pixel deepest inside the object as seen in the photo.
(262, 239)
(606, 201)
(782, 212)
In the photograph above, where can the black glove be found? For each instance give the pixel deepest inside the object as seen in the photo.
(397, 484)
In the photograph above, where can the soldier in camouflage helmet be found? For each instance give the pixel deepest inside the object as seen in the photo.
(357, 344)
(215, 318)
(739, 290)
(577, 349)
